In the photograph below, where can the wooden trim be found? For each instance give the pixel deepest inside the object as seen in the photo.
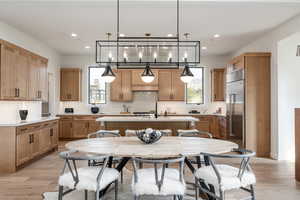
(297, 144)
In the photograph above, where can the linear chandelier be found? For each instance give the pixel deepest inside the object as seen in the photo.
(127, 52)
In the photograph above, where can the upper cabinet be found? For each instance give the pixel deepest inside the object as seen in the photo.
(218, 84)
(23, 74)
(139, 85)
(70, 84)
(171, 88)
(121, 87)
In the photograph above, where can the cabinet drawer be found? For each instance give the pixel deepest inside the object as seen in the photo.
(84, 117)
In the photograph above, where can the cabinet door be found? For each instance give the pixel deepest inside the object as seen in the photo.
(23, 148)
(94, 126)
(65, 128)
(70, 84)
(8, 72)
(44, 140)
(178, 87)
(116, 87)
(218, 84)
(34, 87)
(76, 85)
(54, 136)
(43, 80)
(81, 128)
(35, 145)
(165, 85)
(22, 74)
(126, 85)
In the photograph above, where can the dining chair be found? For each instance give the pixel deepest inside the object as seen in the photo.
(226, 177)
(101, 134)
(85, 178)
(193, 133)
(159, 180)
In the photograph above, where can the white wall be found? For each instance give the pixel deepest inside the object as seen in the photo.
(269, 43)
(288, 93)
(24, 40)
(143, 101)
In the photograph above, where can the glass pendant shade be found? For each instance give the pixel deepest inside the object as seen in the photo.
(186, 76)
(108, 75)
(147, 75)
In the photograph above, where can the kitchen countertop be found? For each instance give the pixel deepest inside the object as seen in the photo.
(147, 119)
(131, 114)
(19, 123)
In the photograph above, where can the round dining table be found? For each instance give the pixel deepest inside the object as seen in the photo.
(166, 147)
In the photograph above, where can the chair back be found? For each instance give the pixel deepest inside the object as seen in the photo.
(162, 164)
(243, 155)
(71, 157)
(105, 133)
(193, 133)
(165, 132)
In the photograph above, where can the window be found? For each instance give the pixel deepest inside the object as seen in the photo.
(195, 89)
(97, 86)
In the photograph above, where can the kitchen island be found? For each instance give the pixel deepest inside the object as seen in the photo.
(171, 122)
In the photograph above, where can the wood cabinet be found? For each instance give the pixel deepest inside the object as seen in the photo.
(77, 126)
(257, 100)
(26, 143)
(171, 88)
(218, 84)
(23, 74)
(120, 88)
(70, 84)
(139, 85)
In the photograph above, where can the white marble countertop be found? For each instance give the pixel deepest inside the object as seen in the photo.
(148, 119)
(22, 123)
(131, 114)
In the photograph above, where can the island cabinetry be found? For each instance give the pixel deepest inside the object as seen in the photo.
(218, 84)
(77, 126)
(121, 87)
(23, 74)
(214, 124)
(70, 84)
(23, 144)
(171, 88)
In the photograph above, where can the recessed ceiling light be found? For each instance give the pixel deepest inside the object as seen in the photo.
(122, 35)
(87, 47)
(216, 36)
(204, 48)
(170, 35)
(73, 35)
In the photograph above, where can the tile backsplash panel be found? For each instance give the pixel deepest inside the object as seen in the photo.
(143, 101)
(10, 110)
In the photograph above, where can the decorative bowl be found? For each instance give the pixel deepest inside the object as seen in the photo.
(149, 136)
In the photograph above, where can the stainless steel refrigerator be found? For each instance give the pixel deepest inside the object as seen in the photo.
(235, 105)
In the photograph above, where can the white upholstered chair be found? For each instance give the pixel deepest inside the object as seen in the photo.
(159, 180)
(165, 132)
(101, 134)
(225, 177)
(89, 178)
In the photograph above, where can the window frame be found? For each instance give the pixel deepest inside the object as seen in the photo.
(89, 86)
(203, 88)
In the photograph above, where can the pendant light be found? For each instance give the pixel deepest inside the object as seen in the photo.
(108, 75)
(147, 75)
(186, 76)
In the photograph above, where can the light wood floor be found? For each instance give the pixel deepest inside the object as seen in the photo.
(275, 180)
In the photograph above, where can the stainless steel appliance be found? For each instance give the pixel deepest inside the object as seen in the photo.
(235, 103)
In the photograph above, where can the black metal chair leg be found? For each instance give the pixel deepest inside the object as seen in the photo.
(252, 192)
(116, 189)
(85, 195)
(60, 192)
(122, 178)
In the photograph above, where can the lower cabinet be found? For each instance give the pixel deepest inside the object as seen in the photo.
(34, 140)
(214, 124)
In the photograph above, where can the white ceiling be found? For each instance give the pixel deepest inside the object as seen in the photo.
(238, 23)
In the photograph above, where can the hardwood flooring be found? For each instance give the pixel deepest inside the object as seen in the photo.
(275, 180)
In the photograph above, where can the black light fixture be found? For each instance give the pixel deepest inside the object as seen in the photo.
(108, 75)
(186, 75)
(147, 76)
